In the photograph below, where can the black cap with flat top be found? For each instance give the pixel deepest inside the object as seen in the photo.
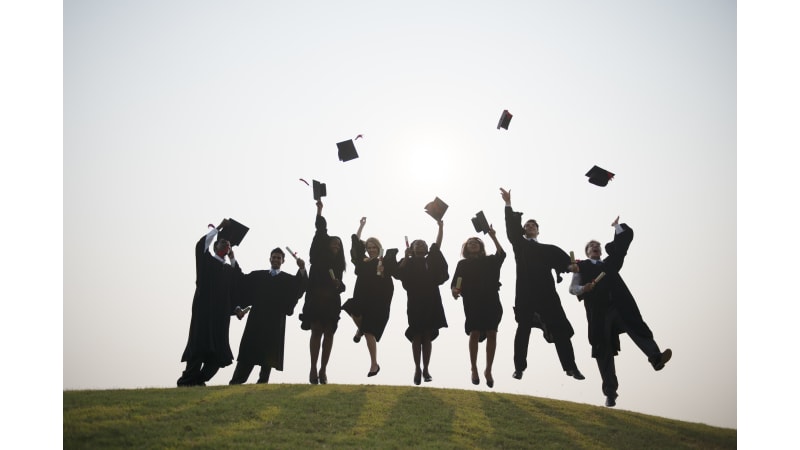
(598, 176)
(233, 232)
(347, 150)
(436, 208)
(320, 189)
(505, 119)
(480, 223)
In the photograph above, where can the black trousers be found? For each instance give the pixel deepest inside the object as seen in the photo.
(566, 354)
(242, 372)
(197, 372)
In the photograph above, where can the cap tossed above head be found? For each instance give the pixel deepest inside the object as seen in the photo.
(320, 189)
(505, 119)
(233, 232)
(480, 223)
(436, 208)
(598, 176)
(347, 150)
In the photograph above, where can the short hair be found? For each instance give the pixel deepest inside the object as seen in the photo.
(278, 250)
(534, 222)
(586, 248)
(219, 242)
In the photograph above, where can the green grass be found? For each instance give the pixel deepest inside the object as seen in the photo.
(288, 416)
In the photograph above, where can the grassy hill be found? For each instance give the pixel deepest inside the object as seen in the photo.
(362, 416)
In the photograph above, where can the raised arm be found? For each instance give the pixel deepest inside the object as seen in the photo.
(361, 224)
(440, 233)
(493, 235)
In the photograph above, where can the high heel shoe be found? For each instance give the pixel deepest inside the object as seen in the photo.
(372, 374)
(489, 379)
(323, 378)
(418, 377)
(313, 378)
(476, 380)
(427, 376)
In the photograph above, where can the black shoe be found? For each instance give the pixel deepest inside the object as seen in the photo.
(611, 400)
(427, 377)
(372, 374)
(666, 355)
(517, 374)
(417, 378)
(357, 337)
(576, 374)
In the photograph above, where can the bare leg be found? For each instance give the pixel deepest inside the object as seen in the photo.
(372, 346)
(327, 345)
(491, 345)
(473, 355)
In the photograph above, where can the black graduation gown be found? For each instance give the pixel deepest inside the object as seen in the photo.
(323, 301)
(480, 282)
(610, 293)
(421, 278)
(372, 294)
(272, 298)
(212, 306)
(536, 302)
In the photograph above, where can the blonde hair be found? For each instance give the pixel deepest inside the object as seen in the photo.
(377, 243)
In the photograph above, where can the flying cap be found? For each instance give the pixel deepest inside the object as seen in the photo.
(505, 119)
(233, 232)
(598, 176)
(436, 208)
(347, 150)
(480, 223)
(319, 190)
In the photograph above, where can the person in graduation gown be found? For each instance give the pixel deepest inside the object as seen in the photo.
(611, 309)
(272, 295)
(536, 302)
(372, 296)
(421, 272)
(323, 302)
(208, 348)
(477, 281)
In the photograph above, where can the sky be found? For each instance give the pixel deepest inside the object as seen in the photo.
(179, 114)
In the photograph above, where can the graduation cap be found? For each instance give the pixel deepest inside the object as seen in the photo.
(233, 232)
(598, 176)
(505, 119)
(319, 190)
(480, 223)
(347, 150)
(436, 208)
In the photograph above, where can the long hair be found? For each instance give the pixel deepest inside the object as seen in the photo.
(481, 252)
(377, 244)
(338, 262)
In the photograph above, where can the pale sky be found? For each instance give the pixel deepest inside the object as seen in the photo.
(178, 114)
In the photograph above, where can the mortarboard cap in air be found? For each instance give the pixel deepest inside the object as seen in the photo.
(480, 223)
(347, 150)
(319, 189)
(505, 119)
(436, 208)
(233, 232)
(598, 176)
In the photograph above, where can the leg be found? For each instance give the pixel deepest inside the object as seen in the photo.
(491, 345)
(357, 320)
(327, 346)
(314, 346)
(521, 339)
(241, 373)
(208, 371)
(416, 351)
(566, 355)
(372, 346)
(190, 375)
(427, 348)
(474, 336)
(608, 373)
(263, 375)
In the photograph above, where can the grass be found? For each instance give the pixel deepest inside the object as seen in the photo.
(287, 416)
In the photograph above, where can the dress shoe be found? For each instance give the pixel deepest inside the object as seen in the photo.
(357, 337)
(323, 378)
(427, 377)
(666, 355)
(517, 374)
(489, 380)
(313, 379)
(611, 400)
(417, 377)
(476, 380)
(372, 374)
(576, 374)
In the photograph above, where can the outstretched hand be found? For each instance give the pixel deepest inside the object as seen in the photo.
(506, 194)
(616, 222)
